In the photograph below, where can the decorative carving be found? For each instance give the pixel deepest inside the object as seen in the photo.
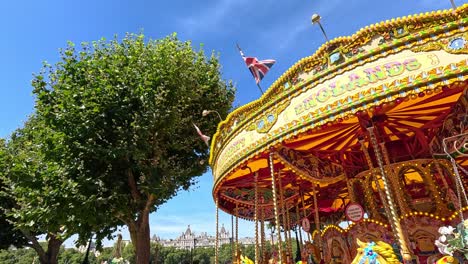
(266, 121)
(310, 166)
(457, 44)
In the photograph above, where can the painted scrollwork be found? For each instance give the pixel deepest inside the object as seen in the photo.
(457, 44)
(266, 121)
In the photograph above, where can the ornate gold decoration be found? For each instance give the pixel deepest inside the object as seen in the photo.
(368, 185)
(266, 121)
(421, 28)
(447, 44)
(309, 166)
(394, 181)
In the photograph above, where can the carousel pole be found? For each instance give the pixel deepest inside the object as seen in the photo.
(393, 217)
(275, 205)
(256, 216)
(317, 221)
(283, 212)
(262, 235)
(298, 217)
(236, 254)
(232, 237)
(305, 213)
(217, 232)
(372, 204)
(288, 222)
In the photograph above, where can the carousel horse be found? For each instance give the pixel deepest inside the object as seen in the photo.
(447, 260)
(246, 260)
(375, 253)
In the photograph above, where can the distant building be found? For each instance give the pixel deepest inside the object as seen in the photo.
(189, 240)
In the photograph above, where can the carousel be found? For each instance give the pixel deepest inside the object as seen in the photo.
(361, 149)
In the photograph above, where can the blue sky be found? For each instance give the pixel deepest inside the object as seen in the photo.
(33, 31)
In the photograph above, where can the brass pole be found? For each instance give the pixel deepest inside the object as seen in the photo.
(217, 232)
(256, 216)
(262, 236)
(305, 213)
(237, 256)
(298, 217)
(317, 221)
(275, 204)
(283, 212)
(394, 181)
(393, 217)
(375, 214)
(232, 238)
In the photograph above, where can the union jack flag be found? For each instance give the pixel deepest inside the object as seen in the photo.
(258, 68)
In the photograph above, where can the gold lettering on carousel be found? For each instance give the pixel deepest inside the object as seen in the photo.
(235, 146)
(355, 80)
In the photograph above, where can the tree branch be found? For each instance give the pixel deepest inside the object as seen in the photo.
(133, 186)
(149, 204)
(35, 244)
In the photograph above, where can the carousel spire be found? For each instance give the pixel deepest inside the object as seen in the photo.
(453, 4)
(316, 20)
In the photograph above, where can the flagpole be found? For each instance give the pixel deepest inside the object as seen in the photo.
(242, 54)
(258, 85)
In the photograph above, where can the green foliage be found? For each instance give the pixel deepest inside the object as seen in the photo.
(28, 256)
(128, 253)
(124, 113)
(43, 199)
(225, 254)
(36, 184)
(10, 236)
(106, 255)
(72, 256)
(18, 256)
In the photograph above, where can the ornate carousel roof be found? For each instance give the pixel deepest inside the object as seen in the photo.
(405, 78)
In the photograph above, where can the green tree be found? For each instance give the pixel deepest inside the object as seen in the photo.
(106, 255)
(126, 112)
(203, 255)
(18, 256)
(10, 236)
(44, 202)
(225, 253)
(73, 256)
(128, 253)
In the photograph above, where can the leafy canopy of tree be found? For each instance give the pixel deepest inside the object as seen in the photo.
(44, 201)
(10, 236)
(125, 113)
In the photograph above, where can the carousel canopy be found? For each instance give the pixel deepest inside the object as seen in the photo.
(404, 78)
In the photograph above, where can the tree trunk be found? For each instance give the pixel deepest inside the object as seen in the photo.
(140, 236)
(53, 248)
